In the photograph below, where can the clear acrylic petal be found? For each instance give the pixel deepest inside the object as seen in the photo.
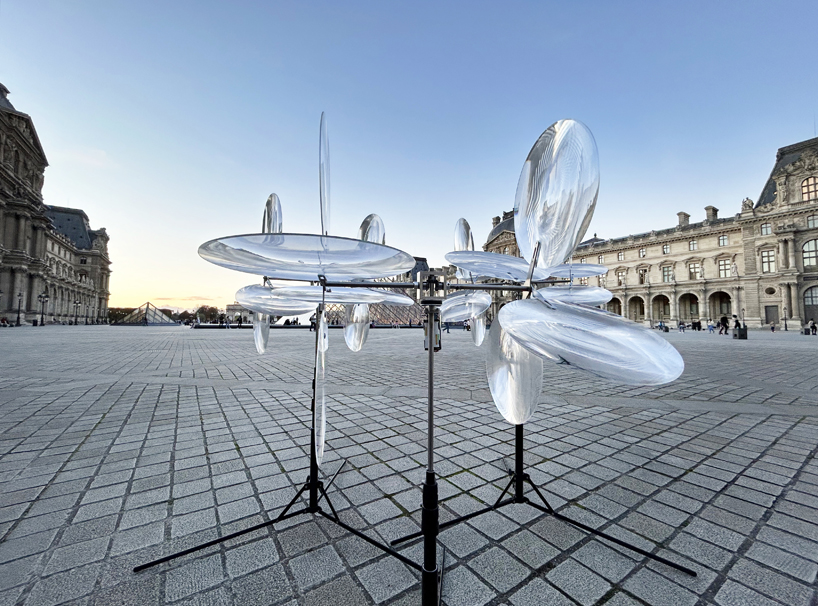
(320, 420)
(306, 257)
(340, 294)
(463, 240)
(599, 342)
(272, 221)
(261, 331)
(356, 325)
(260, 299)
(464, 305)
(494, 265)
(514, 376)
(556, 192)
(323, 174)
(372, 230)
(581, 295)
(577, 270)
(478, 329)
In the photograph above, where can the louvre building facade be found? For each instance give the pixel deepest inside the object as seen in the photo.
(44, 250)
(760, 264)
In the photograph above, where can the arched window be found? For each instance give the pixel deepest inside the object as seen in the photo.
(811, 296)
(809, 188)
(810, 250)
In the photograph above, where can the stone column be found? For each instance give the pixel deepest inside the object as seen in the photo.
(21, 233)
(791, 257)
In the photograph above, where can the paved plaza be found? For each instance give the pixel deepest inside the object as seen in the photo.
(122, 444)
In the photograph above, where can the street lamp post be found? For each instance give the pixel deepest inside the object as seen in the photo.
(19, 304)
(43, 298)
(76, 311)
(785, 317)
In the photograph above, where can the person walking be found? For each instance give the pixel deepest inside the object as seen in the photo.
(772, 326)
(710, 325)
(312, 322)
(725, 326)
(812, 327)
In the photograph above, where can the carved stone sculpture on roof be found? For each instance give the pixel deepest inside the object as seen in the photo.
(747, 205)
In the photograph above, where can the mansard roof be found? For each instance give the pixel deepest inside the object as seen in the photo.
(72, 223)
(785, 156)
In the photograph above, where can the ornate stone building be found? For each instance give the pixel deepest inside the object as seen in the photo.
(43, 249)
(760, 264)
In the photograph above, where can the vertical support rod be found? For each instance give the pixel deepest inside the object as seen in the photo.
(519, 473)
(429, 511)
(313, 479)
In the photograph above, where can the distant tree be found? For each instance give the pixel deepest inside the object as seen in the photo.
(207, 313)
(185, 315)
(169, 313)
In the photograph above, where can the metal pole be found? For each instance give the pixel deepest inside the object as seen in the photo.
(519, 471)
(19, 303)
(430, 513)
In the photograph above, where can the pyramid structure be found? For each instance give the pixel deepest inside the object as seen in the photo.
(147, 311)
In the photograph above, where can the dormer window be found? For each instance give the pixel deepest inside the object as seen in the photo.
(809, 189)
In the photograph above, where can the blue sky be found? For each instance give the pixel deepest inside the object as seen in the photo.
(170, 123)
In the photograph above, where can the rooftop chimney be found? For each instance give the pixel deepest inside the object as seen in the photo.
(495, 221)
(712, 213)
(684, 219)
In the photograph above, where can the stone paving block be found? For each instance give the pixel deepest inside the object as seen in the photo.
(340, 592)
(578, 582)
(315, 567)
(77, 554)
(539, 593)
(783, 561)
(193, 577)
(251, 556)
(776, 586)
(19, 548)
(655, 589)
(499, 569)
(137, 538)
(462, 588)
(385, 579)
(604, 561)
(64, 586)
(734, 594)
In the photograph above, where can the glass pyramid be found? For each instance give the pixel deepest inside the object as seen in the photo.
(146, 315)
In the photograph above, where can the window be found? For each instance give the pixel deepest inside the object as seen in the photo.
(601, 259)
(722, 240)
(811, 296)
(812, 222)
(667, 273)
(643, 276)
(583, 260)
(724, 268)
(666, 249)
(693, 245)
(810, 251)
(620, 255)
(83, 261)
(642, 253)
(767, 261)
(505, 250)
(809, 189)
(620, 277)
(694, 270)
(583, 281)
(766, 229)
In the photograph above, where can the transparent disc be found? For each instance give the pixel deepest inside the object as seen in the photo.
(323, 174)
(356, 325)
(372, 230)
(478, 329)
(306, 256)
(259, 299)
(463, 240)
(514, 375)
(261, 331)
(464, 305)
(320, 420)
(577, 270)
(272, 221)
(599, 342)
(556, 192)
(583, 295)
(494, 265)
(338, 294)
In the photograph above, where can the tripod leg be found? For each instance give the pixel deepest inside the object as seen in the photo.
(324, 494)
(440, 577)
(502, 494)
(332, 479)
(539, 494)
(293, 501)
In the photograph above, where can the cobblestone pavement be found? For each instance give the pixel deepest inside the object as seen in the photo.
(119, 445)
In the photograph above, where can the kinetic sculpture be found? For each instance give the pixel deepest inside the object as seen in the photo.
(556, 197)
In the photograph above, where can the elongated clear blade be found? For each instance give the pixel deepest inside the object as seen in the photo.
(356, 325)
(588, 338)
(463, 240)
(272, 221)
(581, 295)
(514, 376)
(261, 331)
(556, 192)
(478, 329)
(323, 174)
(464, 305)
(372, 230)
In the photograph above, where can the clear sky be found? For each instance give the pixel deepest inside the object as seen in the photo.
(170, 123)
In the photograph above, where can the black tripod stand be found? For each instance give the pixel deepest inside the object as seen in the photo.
(518, 480)
(315, 490)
